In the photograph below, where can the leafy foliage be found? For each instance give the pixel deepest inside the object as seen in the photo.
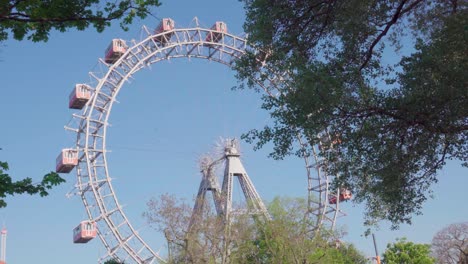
(407, 252)
(113, 261)
(10, 187)
(284, 239)
(34, 19)
(206, 242)
(397, 124)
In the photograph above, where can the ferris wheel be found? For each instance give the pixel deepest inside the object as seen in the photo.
(94, 100)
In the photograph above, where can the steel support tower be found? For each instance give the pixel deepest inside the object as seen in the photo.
(234, 168)
(222, 197)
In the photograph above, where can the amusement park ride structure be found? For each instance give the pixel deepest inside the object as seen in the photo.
(95, 99)
(222, 197)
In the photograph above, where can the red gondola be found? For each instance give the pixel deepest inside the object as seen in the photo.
(166, 25)
(219, 29)
(115, 50)
(66, 161)
(84, 232)
(79, 96)
(327, 143)
(345, 195)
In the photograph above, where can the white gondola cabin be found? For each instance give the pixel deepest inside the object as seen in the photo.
(345, 195)
(79, 96)
(115, 50)
(66, 161)
(84, 232)
(165, 25)
(219, 29)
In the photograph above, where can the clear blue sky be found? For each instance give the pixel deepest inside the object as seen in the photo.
(168, 116)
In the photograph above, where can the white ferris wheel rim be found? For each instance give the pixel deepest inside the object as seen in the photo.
(93, 181)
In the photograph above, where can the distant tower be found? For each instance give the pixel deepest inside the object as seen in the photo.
(3, 248)
(209, 183)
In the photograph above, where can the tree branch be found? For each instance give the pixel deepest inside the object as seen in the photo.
(28, 19)
(398, 13)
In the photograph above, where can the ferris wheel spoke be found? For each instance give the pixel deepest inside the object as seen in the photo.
(93, 181)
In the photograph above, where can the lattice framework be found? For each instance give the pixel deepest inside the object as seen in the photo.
(119, 237)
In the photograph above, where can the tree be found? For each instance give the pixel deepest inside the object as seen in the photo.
(10, 187)
(450, 245)
(205, 242)
(397, 123)
(351, 254)
(34, 19)
(407, 252)
(284, 239)
(113, 261)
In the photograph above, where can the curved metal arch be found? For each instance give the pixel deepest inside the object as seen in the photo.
(93, 181)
